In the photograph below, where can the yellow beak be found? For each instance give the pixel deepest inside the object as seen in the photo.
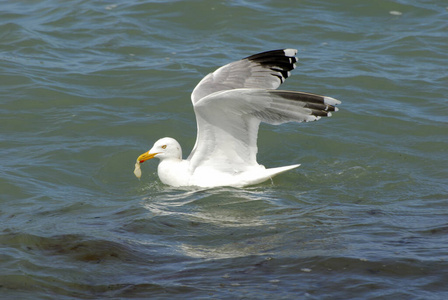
(145, 156)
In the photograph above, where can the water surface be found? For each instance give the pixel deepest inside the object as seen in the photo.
(87, 86)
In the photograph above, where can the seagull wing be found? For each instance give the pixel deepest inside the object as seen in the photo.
(231, 102)
(265, 70)
(228, 123)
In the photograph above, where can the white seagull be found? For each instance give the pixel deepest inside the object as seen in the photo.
(229, 105)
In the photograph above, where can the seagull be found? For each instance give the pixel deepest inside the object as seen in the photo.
(229, 105)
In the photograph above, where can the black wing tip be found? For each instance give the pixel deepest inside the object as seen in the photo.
(320, 106)
(275, 57)
(289, 52)
(285, 58)
(279, 61)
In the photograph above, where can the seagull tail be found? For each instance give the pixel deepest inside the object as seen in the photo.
(275, 171)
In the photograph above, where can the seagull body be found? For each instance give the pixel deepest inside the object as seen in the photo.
(229, 105)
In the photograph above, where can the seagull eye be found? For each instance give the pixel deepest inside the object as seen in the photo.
(164, 147)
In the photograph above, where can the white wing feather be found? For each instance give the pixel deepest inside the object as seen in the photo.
(231, 102)
(266, 70)
(228, 123)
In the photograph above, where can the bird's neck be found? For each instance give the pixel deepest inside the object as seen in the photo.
(173, 171)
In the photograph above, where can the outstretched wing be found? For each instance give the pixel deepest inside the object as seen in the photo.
(266, 70)
(228, 123)
(231, 102)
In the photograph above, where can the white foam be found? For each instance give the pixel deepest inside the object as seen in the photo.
(395, 13)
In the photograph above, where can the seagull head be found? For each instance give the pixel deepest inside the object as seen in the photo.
(164, 148)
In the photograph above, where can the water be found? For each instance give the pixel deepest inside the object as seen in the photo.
(87, 86)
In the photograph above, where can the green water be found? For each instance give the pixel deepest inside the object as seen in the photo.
(87, 86)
